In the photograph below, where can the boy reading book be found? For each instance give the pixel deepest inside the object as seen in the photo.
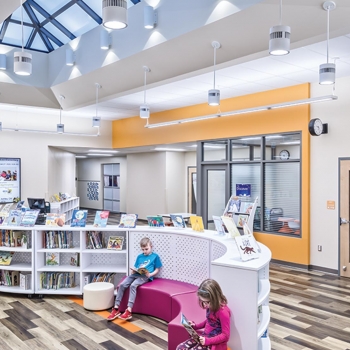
(150, 263)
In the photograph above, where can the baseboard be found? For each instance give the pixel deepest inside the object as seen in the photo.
(306, 267)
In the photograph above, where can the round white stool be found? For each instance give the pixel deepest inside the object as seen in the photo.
(98, 296)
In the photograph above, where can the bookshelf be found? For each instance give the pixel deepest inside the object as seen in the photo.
(111, 187)
(65, 207)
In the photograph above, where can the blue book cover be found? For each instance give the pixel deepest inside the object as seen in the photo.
(29, 217)
(15, 217)
(178, 220)
(101, 218)
(79, 218)
(155, 221)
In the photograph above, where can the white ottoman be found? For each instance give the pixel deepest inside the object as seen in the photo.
(98, 296)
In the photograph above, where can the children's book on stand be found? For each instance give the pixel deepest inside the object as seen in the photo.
(178, 221)
(115, 242)
(246, 231)
(52, 259)
(128, 220)
(79, 218)
(15, 217)
(55, 219)
(242, 219)
(29, 217)
(219, 226)
(141, 270)
(193, 334)
(19, 205)
(101, 218)
(246, 207)
(230, 226)
(74, 259)
(6, 258)
(232, 206)
(247, 247)
(197, 223)
(155, 221)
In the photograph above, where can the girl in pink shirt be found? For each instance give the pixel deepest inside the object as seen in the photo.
(216, 332)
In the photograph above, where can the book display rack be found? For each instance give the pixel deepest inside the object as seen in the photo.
(54, 268)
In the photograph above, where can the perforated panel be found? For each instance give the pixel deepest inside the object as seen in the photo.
(108, 259)
(22, 257)
(184, 258)
(217, 250)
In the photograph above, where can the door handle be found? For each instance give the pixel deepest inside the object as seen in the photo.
(343, 221)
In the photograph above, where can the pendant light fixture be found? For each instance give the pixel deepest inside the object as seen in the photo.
(279, 43)
(114, 14)
(96, 120)
(22, 60)
(60, 126)
(327, 70)
(214, 94)
(144, 109)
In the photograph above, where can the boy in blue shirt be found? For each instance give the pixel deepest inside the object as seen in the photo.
(147, 260)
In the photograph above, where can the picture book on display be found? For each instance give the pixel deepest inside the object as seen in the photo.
(115, 242)
(233, 205)
(55, 219)
(247, 231)
(193, 334)
(101, 218)
(242, 218)
(155, 221)
(52, 259)
(219, 225)
(29, 217)
(197, 223)
(6, 258)
(231, 226)
(79, 218)
(246, 207)
(128, 220)
(178, 220)
(141, 270)
(15, 217)
(247, 247)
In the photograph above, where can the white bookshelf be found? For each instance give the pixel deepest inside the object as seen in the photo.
(22, 260)
(65, 207)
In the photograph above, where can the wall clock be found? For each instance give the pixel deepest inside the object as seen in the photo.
(284, 155)
(315, 127)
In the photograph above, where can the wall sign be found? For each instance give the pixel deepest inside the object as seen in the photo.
(92, 191)
(10, 180)
(243, 190)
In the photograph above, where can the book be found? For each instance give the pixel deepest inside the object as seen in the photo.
(15, 278)
(6, 258)
(115, 242)
(219, 226)
(29, 217)
(193, 334)
(141, 270)
(15, 217)
(242, 218)
(230, 226)
(25, 279)
(232, 206)
(79, 218)
(52, 259)
(178, 220)
(74, 259)
(128, 220)
(155, 221)
(54, 219)
(197, 223)
(101, 218)
(19, 205)
(247, 231)
(246, 207)
(247, 247)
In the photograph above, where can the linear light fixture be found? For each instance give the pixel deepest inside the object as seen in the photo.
(246, 111)
(100, 154)
(49, 132)
(96, 120)
(170, 149)
(102, 151)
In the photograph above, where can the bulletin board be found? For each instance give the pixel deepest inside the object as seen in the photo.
(10, 180)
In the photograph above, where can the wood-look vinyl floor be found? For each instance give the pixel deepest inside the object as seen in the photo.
(309, 310)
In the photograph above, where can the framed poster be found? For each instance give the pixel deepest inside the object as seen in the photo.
(243, 190)
(10, 180)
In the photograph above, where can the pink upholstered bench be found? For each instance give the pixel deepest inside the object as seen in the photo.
(166, 299)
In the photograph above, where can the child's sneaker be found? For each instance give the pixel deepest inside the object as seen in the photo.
(126, 315)
(113, 315)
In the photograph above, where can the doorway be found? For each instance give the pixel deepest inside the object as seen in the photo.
(215, 188)
(344, 213)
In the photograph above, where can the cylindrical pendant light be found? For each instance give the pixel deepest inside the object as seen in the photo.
(114, 14)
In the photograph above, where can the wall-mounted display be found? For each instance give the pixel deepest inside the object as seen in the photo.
(10, 180)
(92, 191)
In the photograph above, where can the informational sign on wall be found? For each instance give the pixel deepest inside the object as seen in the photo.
(10, 180)
(243, 190)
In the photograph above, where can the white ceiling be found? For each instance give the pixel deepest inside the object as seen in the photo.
(240, 70)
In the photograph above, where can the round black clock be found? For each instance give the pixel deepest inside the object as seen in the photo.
(315, 127)
(284, 155)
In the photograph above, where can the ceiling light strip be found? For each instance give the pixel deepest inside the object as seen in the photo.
(49, 132)
(245, 111)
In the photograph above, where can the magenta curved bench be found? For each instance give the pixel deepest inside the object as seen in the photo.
(166, 299)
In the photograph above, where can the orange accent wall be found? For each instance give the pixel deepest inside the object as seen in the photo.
(131, 132)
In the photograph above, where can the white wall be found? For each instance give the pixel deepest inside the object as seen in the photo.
(325, 152)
